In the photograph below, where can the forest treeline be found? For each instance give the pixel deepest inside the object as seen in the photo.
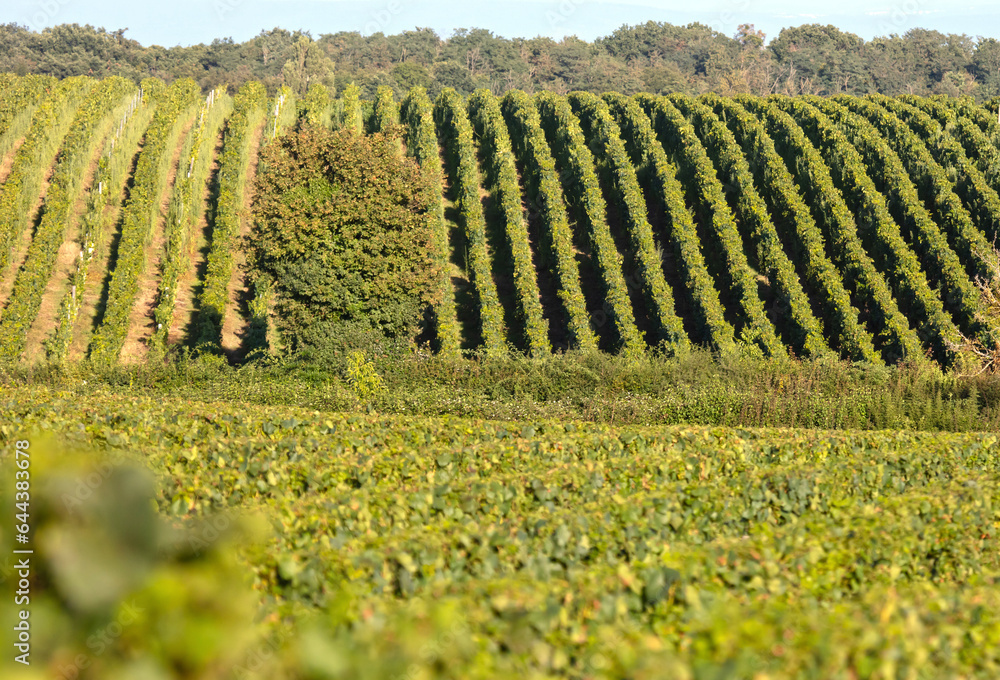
(653, 57)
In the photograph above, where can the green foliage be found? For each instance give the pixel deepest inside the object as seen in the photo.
(881, 235)
(306, 65)
(110, 575)
(980, 116)
(937, 188)
(140, 214)
(813, 214)
(792, 216)
(185, 206)
(455, 133)
(965, 204)
(489, 126)
(939, 259)
(91, 123)
(242, 128)
(341, 230)
(386, 113)
(17, 107)
(49, 125)
(605, 136)
(946, 138)
(504, 515)
(483, 548)
(732, 271)
(650, 159)
(583, 189)
(261, 336)
(700, 387)
(542, 183)
(898, 342)
(282, 114)
(105, 190)
(261, 339)
(651, 56)
(316, 106)
(958, 117)
(421, 140)
(351, 117)
(362, 376)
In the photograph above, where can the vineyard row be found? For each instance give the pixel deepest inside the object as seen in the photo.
(858, 228)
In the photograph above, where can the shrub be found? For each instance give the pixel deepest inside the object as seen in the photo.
(341, 227)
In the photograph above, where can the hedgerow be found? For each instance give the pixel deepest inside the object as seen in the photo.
(455, 133)
(605, 136)
(897, 340)
(542, 183)
(489, 126)
(581, 186)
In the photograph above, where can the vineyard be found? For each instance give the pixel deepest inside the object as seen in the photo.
(464, 548)
(851, 228)
(604, 458)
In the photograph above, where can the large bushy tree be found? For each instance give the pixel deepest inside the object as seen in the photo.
(340, 228)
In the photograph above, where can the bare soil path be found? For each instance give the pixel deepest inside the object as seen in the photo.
(69, 252)
(190, 282)
(237, 317)
(141, 322)
(8, 160)
(97, 275)
(19, 250)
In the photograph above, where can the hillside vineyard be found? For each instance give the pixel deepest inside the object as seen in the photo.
(845, 227)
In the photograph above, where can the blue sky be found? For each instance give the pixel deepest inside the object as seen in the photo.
(186, 22)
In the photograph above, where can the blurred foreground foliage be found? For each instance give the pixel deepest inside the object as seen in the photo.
(454, 548)
(117, 590)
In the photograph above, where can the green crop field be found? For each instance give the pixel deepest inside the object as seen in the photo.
(454, 547)
(852, 228)
(708, 391)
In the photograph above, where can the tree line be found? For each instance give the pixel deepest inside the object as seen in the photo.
(652, 57)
